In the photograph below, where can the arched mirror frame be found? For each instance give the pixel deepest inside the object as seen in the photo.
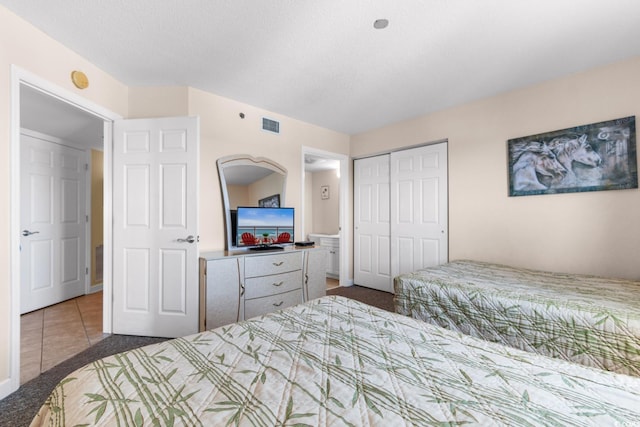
(244, 161)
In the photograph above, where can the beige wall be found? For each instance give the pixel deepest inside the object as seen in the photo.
(326, 212)
(594, 232)
(265, 187)
(31, 50)
(154, 101)
(223, 132)
(238, 196)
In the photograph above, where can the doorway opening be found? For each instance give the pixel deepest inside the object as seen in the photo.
(61, 209)
(324, 196)
(62, 118)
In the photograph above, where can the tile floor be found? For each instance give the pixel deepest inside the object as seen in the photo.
(332, 283)
(53, 334)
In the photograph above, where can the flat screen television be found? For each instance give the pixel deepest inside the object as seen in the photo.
(264, 227)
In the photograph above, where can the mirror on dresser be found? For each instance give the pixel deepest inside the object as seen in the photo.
(249, 181)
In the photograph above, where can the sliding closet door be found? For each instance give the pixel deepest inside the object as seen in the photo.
(419, 212)
(371, 263)
(400, 214)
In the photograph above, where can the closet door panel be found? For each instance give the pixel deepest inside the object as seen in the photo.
(418, 226)
(371, 223)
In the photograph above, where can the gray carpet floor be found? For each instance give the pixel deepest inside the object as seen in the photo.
(19, 408)
(383, 300)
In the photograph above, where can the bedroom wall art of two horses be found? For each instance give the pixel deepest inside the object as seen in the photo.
(572, 162)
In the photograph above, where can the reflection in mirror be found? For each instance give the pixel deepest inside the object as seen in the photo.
(249, 181)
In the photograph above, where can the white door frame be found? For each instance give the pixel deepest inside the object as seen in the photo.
(344, 230)
(89, 288)
(20, 76)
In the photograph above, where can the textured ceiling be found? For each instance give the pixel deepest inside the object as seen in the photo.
(323, 62)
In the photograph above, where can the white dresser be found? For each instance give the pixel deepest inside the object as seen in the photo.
(239, 285)
(331, 242)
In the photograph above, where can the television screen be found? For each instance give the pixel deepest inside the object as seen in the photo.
(264, 226)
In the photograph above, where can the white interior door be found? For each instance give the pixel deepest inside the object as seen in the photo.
(418, 208)
(53, 222)
(371, 263)
(155, 260)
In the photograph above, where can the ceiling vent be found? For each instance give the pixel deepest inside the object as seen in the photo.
(270, 125)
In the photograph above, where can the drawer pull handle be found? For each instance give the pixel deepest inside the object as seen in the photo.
(278, 264)
(278, 284)
(278, 304)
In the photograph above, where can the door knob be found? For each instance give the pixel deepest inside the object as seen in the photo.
(189, 239)
(29, 233)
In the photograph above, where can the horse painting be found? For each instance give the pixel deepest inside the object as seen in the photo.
(570, 149)
(593, 157)
(574, 149)
(616, 140)
(532, 161)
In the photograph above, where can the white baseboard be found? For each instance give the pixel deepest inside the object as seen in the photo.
(7, 387)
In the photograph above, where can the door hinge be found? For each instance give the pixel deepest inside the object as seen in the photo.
(86, 166)
(86, 270)
(86, 218)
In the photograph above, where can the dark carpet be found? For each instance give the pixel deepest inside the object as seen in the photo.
(19, 408)
(383, 300)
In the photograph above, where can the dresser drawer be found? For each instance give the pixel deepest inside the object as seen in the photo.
(265, 265)
(259, 306)
(257, 287)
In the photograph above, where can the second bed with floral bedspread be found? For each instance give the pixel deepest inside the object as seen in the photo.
(585, 319)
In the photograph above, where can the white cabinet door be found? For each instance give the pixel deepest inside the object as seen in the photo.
(332, 245)
(224, 300)
(371, 260)
(333, 257)
(155, 231)
(418, 208)
(52, 257)
(314, 274)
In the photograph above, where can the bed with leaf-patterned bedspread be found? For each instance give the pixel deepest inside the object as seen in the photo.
(337, 362)
(590, 320)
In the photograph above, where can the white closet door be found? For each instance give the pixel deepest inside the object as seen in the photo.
(371, 263)
(419, 228)
(400, 214)
(52, 257)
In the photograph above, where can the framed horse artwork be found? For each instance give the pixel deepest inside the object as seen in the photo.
(594, 157)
